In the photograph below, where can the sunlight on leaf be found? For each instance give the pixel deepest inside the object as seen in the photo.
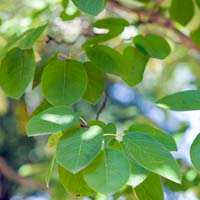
(57, 119)
(51, 120)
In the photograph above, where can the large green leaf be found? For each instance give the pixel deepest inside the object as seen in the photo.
(138, 173)
(76, 150)
(74, 183)
(152, 45)
(181, 101)
(135, 65)
(150, 189)
(161, 136)
(16, 71)
(114, 26)
(52, 120)
(92, 7)
(182, 11)
(30, 37)
(64, 82)
(96, 83)
(195, 152)
(109, 131)
(40, 66)
(108, 173)
(106, 58)
(151, 155)
(24, 41)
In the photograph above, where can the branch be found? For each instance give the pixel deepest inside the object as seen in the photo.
(156, 18)
(103, 105)
(11, 175)
(52, 39)
(83, 123)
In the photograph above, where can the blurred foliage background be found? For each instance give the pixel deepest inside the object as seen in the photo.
(67, 30)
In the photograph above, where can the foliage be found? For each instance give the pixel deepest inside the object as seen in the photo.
(94, 157)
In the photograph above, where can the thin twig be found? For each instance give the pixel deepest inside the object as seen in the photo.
(83, 123)
(109, 134)
(156, 18)
(52, 39)
(11, 175)
(135, 195)
(103, 105)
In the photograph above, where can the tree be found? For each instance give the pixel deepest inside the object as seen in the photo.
(92, 156)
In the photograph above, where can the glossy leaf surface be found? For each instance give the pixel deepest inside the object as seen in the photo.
(77, 149)
(181, 101)
(96, 83)
(152, 45)
(16, 71)
(160, 135)
(108, 173)
(194, 152)
(92, 7)
(64, 82)
(52, 120)
(74, 183)
(150, 189)
(151, 155)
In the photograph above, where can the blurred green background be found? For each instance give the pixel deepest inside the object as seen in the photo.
(31, 157)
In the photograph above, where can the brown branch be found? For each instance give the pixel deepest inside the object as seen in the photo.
(52, 39)
(156, 18)
(103, 105)
(83, 123)
(11, 175)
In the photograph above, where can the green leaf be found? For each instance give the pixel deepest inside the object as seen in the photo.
(106, 59)
(152, 45)
(96, 83)
(11, 44)
(43, 106)
(65, 16)
(40, 66)
(151, 155)
(16, 71)
(30, 37)
(96, 122)
(195, 36)
(78, 149)
(181, 101)
(50, 171)
(182, 11)
(108, 173)
(135, 65)
(194, 152)
(198, 3)
(161, 136)
(138, 173)
(108, 129)
(74, 183)
(54, 138)
(52, 120)
(23, 41)
(64, 82)
(92, 7)
(150, 189)
(114, 26)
